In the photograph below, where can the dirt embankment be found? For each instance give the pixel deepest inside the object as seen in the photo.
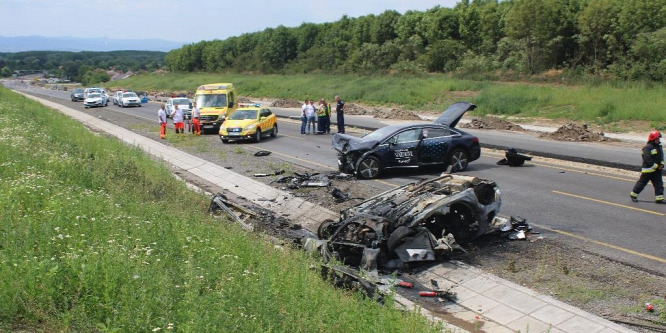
(493, 123)
(576, 132)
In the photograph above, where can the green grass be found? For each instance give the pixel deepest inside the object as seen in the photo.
(603, 103)
(96, 236)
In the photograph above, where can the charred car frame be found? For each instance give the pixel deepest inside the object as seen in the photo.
(415, 222)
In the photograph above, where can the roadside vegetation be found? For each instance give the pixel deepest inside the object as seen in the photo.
(602, 103)
(97, 236)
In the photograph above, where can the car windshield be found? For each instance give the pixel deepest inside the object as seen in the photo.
(244, 114)
(94, 95)
(77, 90)
(379, 134)
(181, 101)
(212, 101)
(130, 95)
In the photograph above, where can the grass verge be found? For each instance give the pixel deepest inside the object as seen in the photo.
(97, 236)
(603, 103)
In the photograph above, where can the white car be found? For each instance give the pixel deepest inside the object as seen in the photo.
(95, 100)
(184, 104)
(129, 99)
(92, 90)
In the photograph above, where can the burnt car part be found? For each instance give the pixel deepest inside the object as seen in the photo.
(513, 158)
(415, 222)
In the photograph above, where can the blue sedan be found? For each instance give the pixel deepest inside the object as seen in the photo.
(410, 146)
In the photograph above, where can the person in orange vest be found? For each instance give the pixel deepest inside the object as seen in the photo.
(161, 114)
(652, 168)
(177, 116)
(196, 125)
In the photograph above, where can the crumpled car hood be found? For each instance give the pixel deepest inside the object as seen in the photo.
(345, 143)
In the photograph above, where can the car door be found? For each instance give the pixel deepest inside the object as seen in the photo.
(266, 120)
(403, 148)
(435, 143)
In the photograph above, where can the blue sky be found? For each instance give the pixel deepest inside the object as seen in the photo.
(182, 21)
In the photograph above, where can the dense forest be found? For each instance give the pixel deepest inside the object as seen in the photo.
(79, 66)
(623, 39)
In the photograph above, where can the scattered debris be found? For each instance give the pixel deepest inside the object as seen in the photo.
(299, 180)
(514, 228)
(513, 158)
(276, 173)
(492, 123)
(649, 307)
(412, 223)
(286, 103)
(219, 203)
(262, 153)
(576, 132)
(340, 196)
(244, 100)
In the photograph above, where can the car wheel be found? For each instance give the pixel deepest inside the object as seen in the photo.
(368, 168)
(257, 136)
(398, 236)
(274, 132)
(224, 140)
(459, 160)
(139, 105)
(460, 222)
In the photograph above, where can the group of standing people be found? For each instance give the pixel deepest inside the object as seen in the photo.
(179, 120)
(321, 114)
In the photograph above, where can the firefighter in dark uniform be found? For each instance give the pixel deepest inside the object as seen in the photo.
(652, 168)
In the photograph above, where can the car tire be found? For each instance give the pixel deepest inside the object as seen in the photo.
(398, 236)
(224, 140)
(459, 160)
(139, 105)
(368, 168)
(257, 135)
(274, 132)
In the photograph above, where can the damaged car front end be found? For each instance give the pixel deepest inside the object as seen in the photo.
(412, 223)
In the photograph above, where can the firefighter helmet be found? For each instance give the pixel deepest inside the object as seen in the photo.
(654, 135)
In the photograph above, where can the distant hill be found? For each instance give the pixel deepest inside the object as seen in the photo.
(75, 44)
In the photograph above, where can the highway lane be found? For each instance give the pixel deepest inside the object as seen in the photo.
(582, 208)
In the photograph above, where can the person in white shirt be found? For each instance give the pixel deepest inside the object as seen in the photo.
(310, 113)
(177, 116)
(161, 114)
(196, 125)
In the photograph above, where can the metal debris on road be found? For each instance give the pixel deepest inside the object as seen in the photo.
(276, 173)
(513, 158)
(262, 153)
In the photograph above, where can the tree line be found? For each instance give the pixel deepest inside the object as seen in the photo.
(624, 39)
(80, 66)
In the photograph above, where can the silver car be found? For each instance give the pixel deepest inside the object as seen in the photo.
(95, 100)
(184, 104)
(129, 99)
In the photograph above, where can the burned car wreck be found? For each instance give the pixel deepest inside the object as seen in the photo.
(412, 223)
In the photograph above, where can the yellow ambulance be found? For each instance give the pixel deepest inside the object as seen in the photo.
(215, 101)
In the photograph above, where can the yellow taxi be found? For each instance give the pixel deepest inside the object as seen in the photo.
(249, 122)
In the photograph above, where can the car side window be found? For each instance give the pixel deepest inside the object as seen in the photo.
(437, 132)
(408, 135)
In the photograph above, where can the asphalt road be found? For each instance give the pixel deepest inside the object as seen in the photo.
(584, 208)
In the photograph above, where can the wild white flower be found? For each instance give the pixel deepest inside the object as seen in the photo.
(156, 329)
